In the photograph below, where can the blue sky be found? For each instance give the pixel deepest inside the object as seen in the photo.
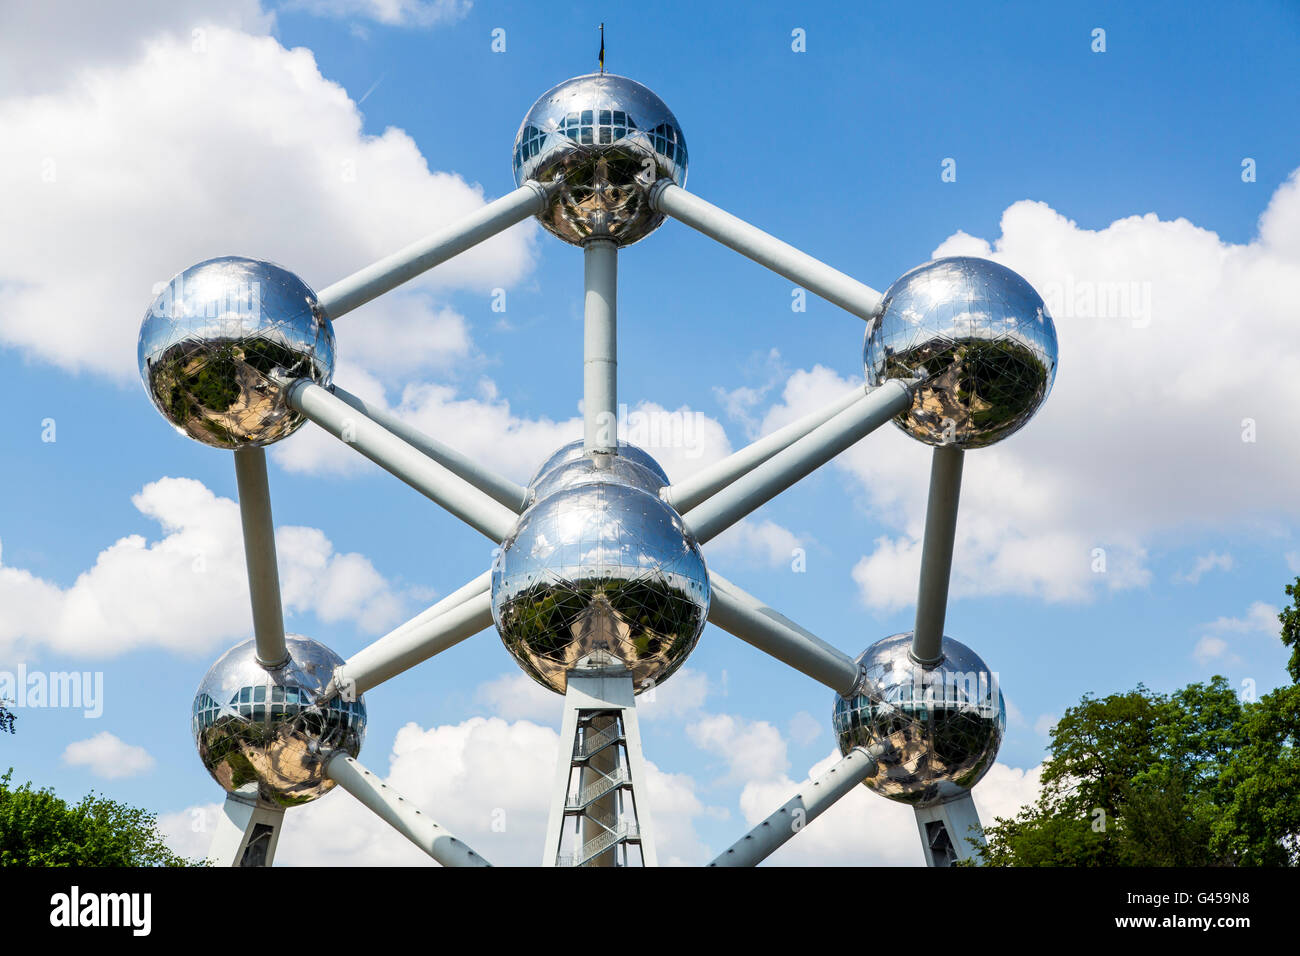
(1077, 168)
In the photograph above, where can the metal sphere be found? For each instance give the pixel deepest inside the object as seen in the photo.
(574, 451)
(606, 140)
(594, 468)
(264, 733)
(212, 340)
(982, 337)
(941, 726)
(600, 575)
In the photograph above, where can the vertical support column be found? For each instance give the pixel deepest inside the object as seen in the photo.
(600, 346)
(600, 738)
(601, 766)
(247, 833)
(259, 554)
(946, 829)
(936, 554)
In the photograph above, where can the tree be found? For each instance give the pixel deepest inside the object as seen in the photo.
(7, 718)
(1195, 778)
(39, 829)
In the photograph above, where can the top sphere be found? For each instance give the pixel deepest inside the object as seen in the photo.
(212, 339)
(606, 140)
(982, 338)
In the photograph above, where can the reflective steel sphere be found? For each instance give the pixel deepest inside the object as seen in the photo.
(984, 338)
(606, 140)
(941, 727)
(573, 452)
(211, 341)
(264, 733)
(600, 575)
(597, 467)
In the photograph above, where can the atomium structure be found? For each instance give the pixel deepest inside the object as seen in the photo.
(599, 588)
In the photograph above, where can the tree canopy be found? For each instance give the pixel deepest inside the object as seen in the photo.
(37, 828)
(1198, 777)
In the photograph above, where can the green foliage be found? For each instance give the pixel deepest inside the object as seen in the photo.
(1290, 618)
(7, 718)
(39, 829)
(1198, 777)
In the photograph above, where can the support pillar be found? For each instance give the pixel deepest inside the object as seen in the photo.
(945, 829)
(248, 831)
(598, 815)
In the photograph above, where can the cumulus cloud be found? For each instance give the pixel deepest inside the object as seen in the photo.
(1218, 637)
(1150, 419)
(187, 591)
(164, 137)
(516, 696)
(485, 428)
(486, 780)
(106, 755)
(761, 543)
(861, 829)
(44, 46)
(749, 749)
(1205, 563)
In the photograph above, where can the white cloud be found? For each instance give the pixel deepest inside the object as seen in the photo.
(1260, 618)
(187, 591)
(754, 542)
(1209, 649)
(804, 728)
(750, 749)
(401, 13)
(1145, 425)
(108, 756)
(681, 695)
(1220, 635)
(1213, 561)
(864, 829)
(486, 780)
(164, 137)
(488, 431)
(45, 45)
(741, 403)
(516, 696)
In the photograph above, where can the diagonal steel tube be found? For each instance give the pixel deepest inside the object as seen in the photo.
(813, 798)
(413, 643)
(259, 555)
(401, 460)
(754, 489)
(420, 256)
(686, 494)
(936, 554)
(498, 487)
(399, 813)
(755, 623)
(781, 257)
